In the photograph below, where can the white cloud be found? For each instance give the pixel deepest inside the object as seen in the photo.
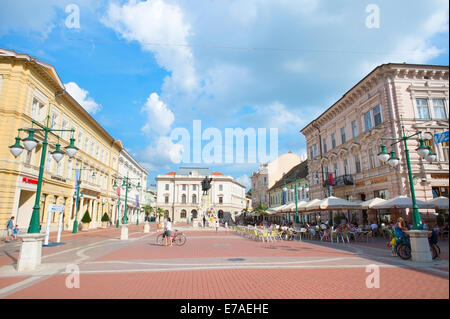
(244, 180)
(162, 154)
(160, 28)
(81, 96)
(160, 118)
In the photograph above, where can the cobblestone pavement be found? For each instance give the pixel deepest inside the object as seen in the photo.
(218, 265)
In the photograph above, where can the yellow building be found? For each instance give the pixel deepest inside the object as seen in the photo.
(30, 90)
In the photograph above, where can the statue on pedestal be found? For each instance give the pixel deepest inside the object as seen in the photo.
(206, 185)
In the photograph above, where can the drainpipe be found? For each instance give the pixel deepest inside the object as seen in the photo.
(320, 152)
(393, 121)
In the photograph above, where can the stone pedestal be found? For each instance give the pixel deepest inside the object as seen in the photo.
(30, 252)
(124, 232)
(146, 227)
(420, 248)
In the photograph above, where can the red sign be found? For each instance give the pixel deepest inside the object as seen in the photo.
(118, 191)
(330, 179)
(29, 180)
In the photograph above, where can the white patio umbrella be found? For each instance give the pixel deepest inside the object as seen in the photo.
(313, 205)
(368, 204)
(402, 202)
(439, 202)
(301, 205)
(337, 203)
(289, 207)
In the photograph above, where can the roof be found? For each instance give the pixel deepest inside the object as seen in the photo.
(367, 76)
(299, 171)
(201, 171)
(171, 173)
(217, 173)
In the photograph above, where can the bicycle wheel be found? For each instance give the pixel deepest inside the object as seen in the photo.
(404, 251)
(180, 240)
(160, 239)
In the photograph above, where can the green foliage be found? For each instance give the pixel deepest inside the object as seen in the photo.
(86, 218)
(337, 219)
(105, 217)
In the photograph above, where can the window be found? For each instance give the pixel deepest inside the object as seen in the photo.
(333, 140)
(59, 167)
(166, 199)
(79, 140)
(343, 139)
(346, 171)
(265, 181)
(220, 188)
(367, 121)
(64, 124)
(28, 157)
(194, 187)
(97, 152)
(220, 200)
(325, 145)
(445, 150)
(354, 129)
(377, 115)
(92, 149)
(37, 110)
(86, 143)
(384, 194)
(183, 187)
(183, 214)
(167, 187)
(54, 120)
(439, 109)
(358, 163)
(194, 199)
(336, 170)
(422, 109)
(183, 199)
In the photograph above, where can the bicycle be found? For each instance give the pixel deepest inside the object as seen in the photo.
(404, 249)
(178, 238)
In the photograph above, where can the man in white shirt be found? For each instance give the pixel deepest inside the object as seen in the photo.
(374, 228)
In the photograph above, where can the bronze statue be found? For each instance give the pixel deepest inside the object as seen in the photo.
(206, 185)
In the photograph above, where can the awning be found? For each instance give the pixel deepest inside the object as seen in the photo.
(439, 202)
(368, 204)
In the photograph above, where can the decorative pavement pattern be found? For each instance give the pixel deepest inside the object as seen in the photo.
(218, 265)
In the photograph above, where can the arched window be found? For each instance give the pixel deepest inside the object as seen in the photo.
(193, 213)
(194, 199)
(183, 213)
(183, 198)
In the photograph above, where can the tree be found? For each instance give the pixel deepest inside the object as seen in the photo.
(159, 213)
(261, 209)
(86, 218)
(105, 217)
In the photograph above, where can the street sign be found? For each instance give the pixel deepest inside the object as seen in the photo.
(441, 137)
(56, 208)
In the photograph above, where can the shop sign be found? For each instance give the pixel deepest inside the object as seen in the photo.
(29, 180)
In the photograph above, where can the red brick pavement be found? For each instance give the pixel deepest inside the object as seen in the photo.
(245, 283)
(5, 281)
(203, 244)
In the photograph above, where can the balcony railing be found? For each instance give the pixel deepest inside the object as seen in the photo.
(343, 180)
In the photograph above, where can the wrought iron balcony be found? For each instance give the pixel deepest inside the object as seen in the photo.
(343, 180)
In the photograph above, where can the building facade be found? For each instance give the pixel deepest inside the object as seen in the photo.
(298, 175)
(136, 195)
(344, 140)
(31, 89)
(179, 194)
(268, 174)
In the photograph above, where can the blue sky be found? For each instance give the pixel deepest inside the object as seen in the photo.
(144, 68)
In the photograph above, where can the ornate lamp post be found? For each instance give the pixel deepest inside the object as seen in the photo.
(419, 238)
(78, 183)
(294, 190)
(127, 185)
(32, 244)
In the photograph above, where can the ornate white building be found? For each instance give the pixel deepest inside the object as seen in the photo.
(180, 195)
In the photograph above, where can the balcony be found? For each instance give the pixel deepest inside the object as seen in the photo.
(343, 180)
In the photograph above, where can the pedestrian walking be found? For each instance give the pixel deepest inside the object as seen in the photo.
(204, 221)
(15, 232)
(217, 225)
(9, 229)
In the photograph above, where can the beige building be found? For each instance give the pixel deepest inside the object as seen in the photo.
(346, 138)
(30, 90)
(268, 174)
(179, 194)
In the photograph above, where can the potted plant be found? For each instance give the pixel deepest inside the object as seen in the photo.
(86, 220)
(105, 220)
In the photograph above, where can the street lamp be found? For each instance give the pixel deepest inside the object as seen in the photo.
(29, 144)
(393, 161)
(77, 186)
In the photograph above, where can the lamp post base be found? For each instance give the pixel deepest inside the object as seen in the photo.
(30, 252)
(420, 248)
(146, 227)
(124, 232)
